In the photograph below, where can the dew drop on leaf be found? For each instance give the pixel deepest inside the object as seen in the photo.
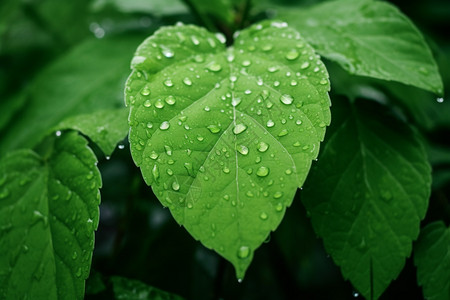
(262, 171)
(292, 55)
(262, 147)
(304, 65)
(243, 252)
(239, 128)
(213, 128)
(270, 123)
(286, 99)
(170, 100)
(164, 125)
(242, 149)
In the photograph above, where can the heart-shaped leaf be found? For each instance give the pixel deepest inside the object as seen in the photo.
(225, 136)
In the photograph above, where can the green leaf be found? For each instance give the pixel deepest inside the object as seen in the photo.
(88, 79)
(156, 7)
(225, 136)
(367, 194)
(48, 214)
(105, 127)
(432, 258)
(129, 289)
(368, 38)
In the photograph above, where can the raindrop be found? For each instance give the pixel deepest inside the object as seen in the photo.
(235, 101)
(278, 195)
(239, 128)
(440, 100)
(270, 123)
(121, 147)
(168, 150)
(286, 99)
(207, 108)
(246, 63)
(250, 194)
(267, 47)
(292, 55)
(188, 167)
(279, 207)
(155, 172)
(175, 186)
(243, 252)
(323, 81)
(272, 69)
(283, 132)
(226, 170)
(168, 82)
(214, 67)
(149, 125)
(187, 81)
(263, 216)
(159, 103)
(170, 100)
(58, 133)
(164, 125)
(167, 53)
(262, 171)
(145, 91)
(242, 149)
(154, 155)
(262, 147)
(304, 65)
(213, 128)
(195, 40)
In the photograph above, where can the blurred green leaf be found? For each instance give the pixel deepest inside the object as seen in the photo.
(90, 78)
(48, 214)
(432, 258)
(129, 289)
(368, 38)
(224, 137)
(155, 7)
(368, 193)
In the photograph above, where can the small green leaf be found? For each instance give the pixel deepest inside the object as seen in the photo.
(367, 194)
(105, 127)
(368, 38)
(225, 136)
(432, 258)
(48, 214)
(129, 289)
(88, 79)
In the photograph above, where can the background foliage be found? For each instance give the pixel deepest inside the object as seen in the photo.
(63, 64)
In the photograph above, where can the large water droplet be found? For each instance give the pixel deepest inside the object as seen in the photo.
(164, 125)
(286, 99)
(239, 128)
(262, 147)
(175, 186)
(155, 172)
(213, 128)
(235, 101)
(243, 252)
(283, 132)
(242, 149)
(187, 81)
(291, 55)
(168, 53)
(263, 216)
(170, 100)
(168, 82)
(304, 65)
(195, 40)
(215, 67)
(145, 91)
(262, 171)
(278, 195)
(226, 170)
(189, 169)
(270, 123)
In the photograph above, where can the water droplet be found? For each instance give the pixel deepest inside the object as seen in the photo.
(272, 69)
(159, 103)
(168, 82)
(304, 65)
(283, 132)
(262, 171)
(154, 155)
(233, 78)
(249, 194)
(246, 63)
(242, 149)
(239, 128)
(440, 100)
(164, 125)
(278, 195)
(78, 273)
(298, 122)
(276, 83)
(195, 40)
(175, 186)
(322, 124)
(200, 138)
(207, 108)
(189, 169)
(226, 170)
(267, 47)
(155, 172)
(4, 193)
(145, 91)
(226, 197)
(213, 128)
(74, 255)
(263, 216)
(286, 99)
(235, 101)
(170, 100)
(355, 294)
(262, 147)
(58, 133)
(187, 81)
(214, 67)
(243, 252)
(270, 123)
(279, 207)
(323, 81)
(149, 125)
(168, 53)
(292, 55)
